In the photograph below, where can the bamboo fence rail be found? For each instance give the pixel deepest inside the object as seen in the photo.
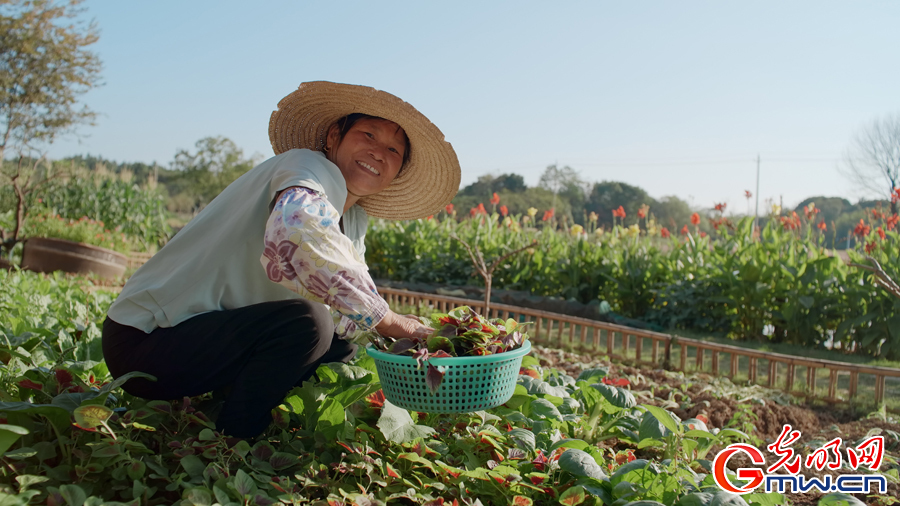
(773, 370)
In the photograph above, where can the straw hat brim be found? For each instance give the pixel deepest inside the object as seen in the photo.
(428, 181)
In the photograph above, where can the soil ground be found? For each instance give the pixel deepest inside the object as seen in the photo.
(719, 401)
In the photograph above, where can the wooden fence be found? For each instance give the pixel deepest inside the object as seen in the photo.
(845, 381)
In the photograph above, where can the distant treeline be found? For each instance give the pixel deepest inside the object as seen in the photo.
(574, 200)
(195, 177)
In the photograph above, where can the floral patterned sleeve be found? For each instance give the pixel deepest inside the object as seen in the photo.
(306, 252)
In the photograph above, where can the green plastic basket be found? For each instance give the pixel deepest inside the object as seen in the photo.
(469, 384)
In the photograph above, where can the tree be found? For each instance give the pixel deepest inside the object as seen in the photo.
(567, 183)
(609, 195)
(200, 176)
(45, 67)
(872, 162)
(672, 212)
(487, 185)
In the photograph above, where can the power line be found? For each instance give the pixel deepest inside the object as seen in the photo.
(669, 163)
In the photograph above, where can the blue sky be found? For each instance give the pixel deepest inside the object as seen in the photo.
(675, 97)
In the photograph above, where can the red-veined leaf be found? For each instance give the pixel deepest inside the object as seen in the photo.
(91, 415)
(573, 496)
(433, 378)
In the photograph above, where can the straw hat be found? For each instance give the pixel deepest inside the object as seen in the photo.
(427, 183)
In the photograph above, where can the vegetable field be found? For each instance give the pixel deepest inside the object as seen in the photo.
(781, 284)
(575, 432)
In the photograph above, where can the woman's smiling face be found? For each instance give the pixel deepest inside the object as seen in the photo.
(370, 155)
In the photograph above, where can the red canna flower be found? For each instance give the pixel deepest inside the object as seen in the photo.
(529, 372)
(504, 210)
(620, 212)
(430, 217)
(721, 207)
(876, 214)
(822, 226)
(895, 197)
(664, 232)
(702, 235)
(495, 199)
(892, 222)
(641, 213)
(880, 233)
(449, 208)
(747, 194)
(473, 211)
(870, 247)
(616, 382)
(862, 229)
(684, 230)
(481, 209)
(695, 219)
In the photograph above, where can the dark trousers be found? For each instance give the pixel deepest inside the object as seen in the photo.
(256, 353)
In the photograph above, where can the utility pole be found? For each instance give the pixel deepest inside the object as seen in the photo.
(756, 212)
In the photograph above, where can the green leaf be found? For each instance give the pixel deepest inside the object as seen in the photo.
(331, 418)
(544, 409)
(72, 401)
(640, 466)
(73, 494)
(21, 453)
(9, 434)
(652, 428)
(193, 465)
(535, 386)
(578, 444)
(596, 488)
(398, 427)
(593, 375)
(27, 480)
(59, 417)
(650, 442)
(118, 382)
(243, 483)
(580, 463)
(665, 418)
(355, 393)
(136, 470)
(348, 374)
(92, 415)
(617, 396)
(436, 343)
(839, 499)
(282, 460)
(523, 438)
(198, 496)
(718, 498)
(242, 448)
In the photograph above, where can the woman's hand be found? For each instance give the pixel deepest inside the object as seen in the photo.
(406, 326)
